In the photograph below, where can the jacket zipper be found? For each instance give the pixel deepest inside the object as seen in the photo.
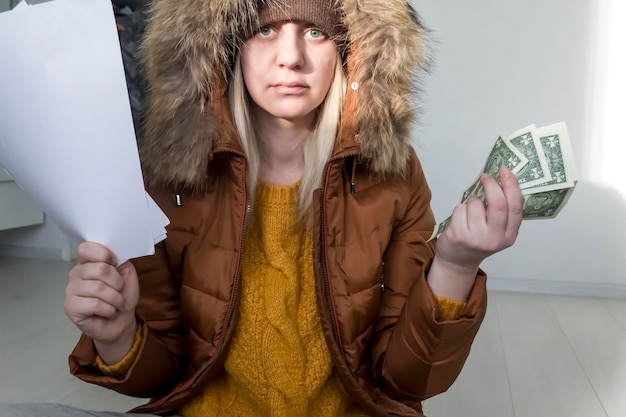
(325, 275)
(233, 298)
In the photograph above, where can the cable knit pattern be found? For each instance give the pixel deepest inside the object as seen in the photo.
(278, 364)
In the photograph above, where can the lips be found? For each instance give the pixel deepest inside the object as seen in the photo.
(289, 87)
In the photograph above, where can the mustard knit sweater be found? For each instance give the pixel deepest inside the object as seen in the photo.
(278, 363)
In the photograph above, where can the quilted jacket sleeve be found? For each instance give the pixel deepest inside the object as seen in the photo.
(415, 356)
(158, 363)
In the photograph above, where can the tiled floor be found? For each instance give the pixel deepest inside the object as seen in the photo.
(535, 355)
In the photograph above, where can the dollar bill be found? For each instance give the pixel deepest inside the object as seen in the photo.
(502, 154)
(536, 171)
(557, 148)
(545, 204)
(542, 160)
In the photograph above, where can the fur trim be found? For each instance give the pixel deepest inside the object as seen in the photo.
(188, 50)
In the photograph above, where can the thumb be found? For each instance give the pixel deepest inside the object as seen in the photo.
(130, 291)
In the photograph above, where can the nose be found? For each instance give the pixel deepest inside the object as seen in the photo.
(290, 48)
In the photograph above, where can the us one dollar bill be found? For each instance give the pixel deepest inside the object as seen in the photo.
(543, 163)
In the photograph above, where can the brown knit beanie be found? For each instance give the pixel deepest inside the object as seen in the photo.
(324, 14)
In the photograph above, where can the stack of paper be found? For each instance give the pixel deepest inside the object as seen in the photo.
(66, 130)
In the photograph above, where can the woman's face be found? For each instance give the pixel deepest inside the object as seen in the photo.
(288, 68)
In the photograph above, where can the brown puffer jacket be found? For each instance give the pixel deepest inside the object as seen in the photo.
(372, 219)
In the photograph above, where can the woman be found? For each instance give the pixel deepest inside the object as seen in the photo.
(296, 278)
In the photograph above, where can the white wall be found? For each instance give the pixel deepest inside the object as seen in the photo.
(44, 242)
(500, 65)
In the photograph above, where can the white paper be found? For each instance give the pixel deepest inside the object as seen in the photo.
(66, 129)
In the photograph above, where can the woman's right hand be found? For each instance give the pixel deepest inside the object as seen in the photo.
(100, 300)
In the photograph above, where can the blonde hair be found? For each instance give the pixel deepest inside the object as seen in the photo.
(318, 147)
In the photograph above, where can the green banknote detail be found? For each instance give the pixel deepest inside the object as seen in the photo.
(533, 170)
(440, 228)
(554, 154)
(545, 204)
(501, 155)
(470, 190)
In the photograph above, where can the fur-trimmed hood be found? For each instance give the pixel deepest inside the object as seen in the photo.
(187, 53)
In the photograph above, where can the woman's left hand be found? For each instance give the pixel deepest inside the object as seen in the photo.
(477, 231)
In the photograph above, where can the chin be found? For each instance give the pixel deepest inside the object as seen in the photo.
(291, 114)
